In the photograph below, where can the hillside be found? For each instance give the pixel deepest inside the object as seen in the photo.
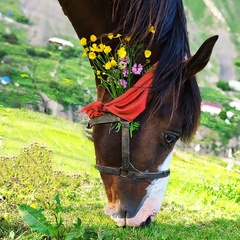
(37, 146)
(211, 17)
(59, 82)
(20, 127)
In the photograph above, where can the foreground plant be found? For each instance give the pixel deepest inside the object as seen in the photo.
(37, 221)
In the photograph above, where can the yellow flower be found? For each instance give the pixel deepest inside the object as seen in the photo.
(147, 53)
(107, 49)
(118, 35)
(98, 72)
(108, 65)
(94, 48)
(24, 75)
(93, 38)
(101, 47)
(152, 29)
(6, 216)
(122, 52)
(85, 51)
(113, 63)
(127, 38)
(83, 41)
(92, 55)
(67, 80)
(110, 36)
(32, 205)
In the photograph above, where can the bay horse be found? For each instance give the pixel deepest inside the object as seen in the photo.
(135, 170)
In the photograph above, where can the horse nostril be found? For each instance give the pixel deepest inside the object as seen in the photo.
(146, 223)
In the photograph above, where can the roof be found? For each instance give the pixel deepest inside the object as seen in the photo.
(61, 41)
(214, 105)
(5, 79)
(211, 108)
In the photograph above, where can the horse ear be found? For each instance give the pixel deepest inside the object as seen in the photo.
(197, 62)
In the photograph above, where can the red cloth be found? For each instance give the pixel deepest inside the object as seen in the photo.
(127, 106)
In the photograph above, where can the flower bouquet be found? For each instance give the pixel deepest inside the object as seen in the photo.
(116, 68)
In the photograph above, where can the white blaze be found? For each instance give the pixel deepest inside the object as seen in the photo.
(153, 199)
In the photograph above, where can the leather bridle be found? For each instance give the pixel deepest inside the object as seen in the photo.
(127, 169)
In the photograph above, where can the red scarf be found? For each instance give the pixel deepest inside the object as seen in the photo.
(127, 106)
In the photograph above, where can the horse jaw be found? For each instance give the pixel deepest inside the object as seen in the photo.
(150, 205)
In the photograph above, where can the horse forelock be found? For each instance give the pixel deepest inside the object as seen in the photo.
(169, 21)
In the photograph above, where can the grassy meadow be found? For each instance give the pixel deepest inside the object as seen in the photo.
(42, 156)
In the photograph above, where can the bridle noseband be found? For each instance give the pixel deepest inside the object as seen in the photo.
(126, 169)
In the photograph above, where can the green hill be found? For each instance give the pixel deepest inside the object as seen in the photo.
(20, 127)
(202, 200)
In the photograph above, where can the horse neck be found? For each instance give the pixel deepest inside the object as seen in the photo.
(89, 17)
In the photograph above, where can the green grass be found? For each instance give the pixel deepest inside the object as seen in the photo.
(202, 199)
(22, 127)
(215, 95)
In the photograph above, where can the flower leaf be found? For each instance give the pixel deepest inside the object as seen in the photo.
(36, 220)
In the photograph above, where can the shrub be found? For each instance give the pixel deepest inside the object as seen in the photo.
(34, 53)
(223, 85)
(2, 53)
(22, 19)
(70, 52)
(237, 62)
(5, 70)
(10, 38)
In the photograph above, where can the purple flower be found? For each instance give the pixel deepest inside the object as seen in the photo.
(137, 68)
(125, 72)
(123, 83)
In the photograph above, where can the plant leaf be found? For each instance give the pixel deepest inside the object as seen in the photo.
(58, 208)
(76, 234)
(36, 220)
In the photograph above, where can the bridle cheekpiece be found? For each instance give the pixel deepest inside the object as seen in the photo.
(127, 169)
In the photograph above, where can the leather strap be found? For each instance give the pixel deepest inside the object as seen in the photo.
(126, 169)
(103, 119)
(132, 174)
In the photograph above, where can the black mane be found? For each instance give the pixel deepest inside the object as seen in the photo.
(169, 21)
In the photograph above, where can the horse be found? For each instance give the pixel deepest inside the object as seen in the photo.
(135, 169)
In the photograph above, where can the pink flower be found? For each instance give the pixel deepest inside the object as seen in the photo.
(123, 83)
(125, 72)
(137, 68)
(125, 59)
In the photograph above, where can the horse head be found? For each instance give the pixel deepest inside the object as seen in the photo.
(135, 169)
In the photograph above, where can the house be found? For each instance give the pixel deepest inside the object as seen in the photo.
(211, 108)
(235, 85)
(5, 80)
(60, 42)
(235, 105)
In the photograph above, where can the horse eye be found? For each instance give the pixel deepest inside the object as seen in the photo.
(170, 138)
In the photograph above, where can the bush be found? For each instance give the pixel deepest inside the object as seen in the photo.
(22, 19)
(10, 38)
(2, 53)
(223, 85)
(237, 62)
(34, 53)
(5, 70)
(70, 52)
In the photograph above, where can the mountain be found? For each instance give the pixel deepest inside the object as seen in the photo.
(47, 20)
(205, 18)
